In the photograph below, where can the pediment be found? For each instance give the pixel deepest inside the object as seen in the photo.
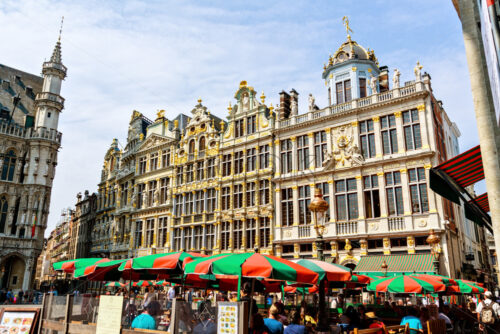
(153, 141)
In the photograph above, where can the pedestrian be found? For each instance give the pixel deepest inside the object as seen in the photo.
(412, 320)
(150, 296)
(295, 327)
(488, 313)
(375, 322)
(272, 324)
(245, 296)
(170, 297)
(21, 296)
(146, 319)
(9, 297)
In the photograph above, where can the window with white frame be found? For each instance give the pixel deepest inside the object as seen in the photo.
(304, 201)
(265, 232)
(153, 161)
(162, 231)
(325, 189)
(263, 192)
(394, 193)
(210, 236)
(226, 198)
(238, 196)
(211, 168)
(238, 162)
(346, 199)
(179, 175)
(178, 205)
(287, 206)
(372, 197)
(151, 192)
(226, 164)
(164, 190)
(189, 173)
(188, 238)
(165, 158)
(320, 148)
(303, 152)
(418, 190)
(189, 199)
(367, 138)
(250, 194)
(177, 244)
(142, 165)
(138, 235)
(251, 124)
(343, 90)
(251, 232)
(237, 234)
(150, 230)
(225, 235)
(200, 201)
(411, 126)
(211, 200)
(200, 170)
(286, 156)
(251, 159)
(239, 130)
(263, 156)
(198, 237)
(389, 134)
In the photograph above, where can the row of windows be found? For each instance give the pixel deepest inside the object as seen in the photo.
(255, 229)
(249, 124)
(245, 162)
(196, 202)
(236, 196)
(196, 172)
(346, 197)
(303, 159)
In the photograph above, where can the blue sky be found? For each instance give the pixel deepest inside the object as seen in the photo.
(150, 55)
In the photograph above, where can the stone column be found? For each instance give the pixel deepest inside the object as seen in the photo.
(378, 137)
(243, 234)
(231, 233)
(332, 207)
(312, 153)
(192, 238)
(431, 196)
(406, 192)
(295, 166)
(361, 205)
(27, 274)
(276, 157)
(425, 123)
(382, 195)
(295, 191)
(183, 241)
(278, 206)
(155, 235)
(204, 240)
(400, 131)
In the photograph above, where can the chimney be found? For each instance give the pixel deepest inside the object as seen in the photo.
(294, 102)
(284, 108)
(383, 79)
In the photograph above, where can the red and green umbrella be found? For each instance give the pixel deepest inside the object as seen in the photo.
(464, 286)
(406, 284)
(101, 271)
(327, 271)
(162, 283)
(448, 281)
(69, 266)
(308, 290)
(115, 284)
(361, 279)
(251, 265)
(142, 283)
(165, 263)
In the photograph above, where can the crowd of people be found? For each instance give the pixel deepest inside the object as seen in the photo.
(7, 296)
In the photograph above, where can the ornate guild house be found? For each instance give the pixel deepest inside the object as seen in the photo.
(203, 184)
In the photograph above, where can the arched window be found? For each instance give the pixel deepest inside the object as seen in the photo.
(191, 146)
(112, 164)
(4, 207)
(9, 164)
(202, 144)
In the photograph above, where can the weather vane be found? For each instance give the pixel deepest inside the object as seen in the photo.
(60, 29)
(348, 29)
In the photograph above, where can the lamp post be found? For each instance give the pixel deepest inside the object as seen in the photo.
(434, 241)
(318, 208)
(384, 267)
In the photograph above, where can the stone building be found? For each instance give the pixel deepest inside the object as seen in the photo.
(83, 221)
(29, 142)
(202, 184)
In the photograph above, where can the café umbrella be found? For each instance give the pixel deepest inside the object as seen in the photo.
(142, 283)
(406, 284)
(69, 266)
(160, 264)
(326, 271)
(115, 284)
(464, 286)
(101, 271)
(361, 279)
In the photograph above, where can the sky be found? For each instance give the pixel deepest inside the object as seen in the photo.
(149, 55)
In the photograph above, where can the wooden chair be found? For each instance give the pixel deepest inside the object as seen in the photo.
(437, 326)
(398, 329)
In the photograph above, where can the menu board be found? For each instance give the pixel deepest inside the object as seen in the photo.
(17, 322)
(109, 318)
(227, 318)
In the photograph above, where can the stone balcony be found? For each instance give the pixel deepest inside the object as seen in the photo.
(45, 134)
(19, 243)
(50, 98)
(373, 100)
(11, 129)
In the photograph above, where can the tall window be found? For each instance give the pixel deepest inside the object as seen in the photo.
(165, 158)
(303, 152)
(346, 199)
(226, 165)
(286, 156)
(198, 237)
(325, 189)
(263, 156)
(179, 176)
(238, 196)
(202, 146)
(263, 192)
(211, 200)
(304, 201)
(138, 234)
(320, 148)
(211, 168)
(200, 201)
(362, 87)
(343, 89)
(150, 229)
(367, 138)
(142, 165)
(163, 190)
(287, 206)
(251, 232)
(394, 193)
(162, 231)
(251, 124)
(124, 193)
(239, 128)
(372, 198)
(4, 210)
(225, 235)
(251, 159)
(418, 190)
(237, 234)
(141, 188)
(265, 232)
(250, 194)
(389, 134)
(189, 173)
(9, 166)
(189, 200)
(226, 197)
(191, 147)
(210, 236)
(177, 239)
(153, 161)
(178, 205)
(411, 126)
(199, 170)
(238, 162)
(151, 193)
(188, 232)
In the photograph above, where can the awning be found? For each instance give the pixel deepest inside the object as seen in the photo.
(482, 201)
(450, 178)
(396, 264)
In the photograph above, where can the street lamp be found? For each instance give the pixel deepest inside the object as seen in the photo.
(434, 241)
(384, 267)
(319, 207)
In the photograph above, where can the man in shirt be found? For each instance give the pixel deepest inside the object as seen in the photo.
(272, 323)
(413, 321)
(493, 328)
(170, 297)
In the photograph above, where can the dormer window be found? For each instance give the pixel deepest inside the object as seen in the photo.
(239, 128)
(343, 90)
(362, 87)
(251, 124)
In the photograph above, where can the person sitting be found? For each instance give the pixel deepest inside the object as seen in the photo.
(146, 319)
(282, 316)
(245, 293)
(413, 321)
(257, 325)
(295, 327)
(272, 323)
(375, 322)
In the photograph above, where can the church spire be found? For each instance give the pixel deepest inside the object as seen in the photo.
(56, 54)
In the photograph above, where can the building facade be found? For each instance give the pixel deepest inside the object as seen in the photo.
(201, 184)
(29, 142)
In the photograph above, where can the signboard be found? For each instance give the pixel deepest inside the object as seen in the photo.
(18, 320)
(227, 318)
(110, 315)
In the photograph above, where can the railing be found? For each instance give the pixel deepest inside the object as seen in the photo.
(365, 101)
(318, 114)
(396, 224)
(341, 107)
(347, 228)
(385, 96)
(301, 118)
(304, 231)
(51, 97)
(198, 218)
(44, 133)
(11, 129)
(284, 123)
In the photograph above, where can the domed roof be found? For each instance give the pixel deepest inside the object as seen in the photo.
(350, 50)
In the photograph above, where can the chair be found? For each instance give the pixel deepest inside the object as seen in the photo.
(398, 329)
(369, 331)
(437, 326)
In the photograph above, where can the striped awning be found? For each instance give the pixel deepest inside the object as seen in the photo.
(466, 168)
(482, 201)
(399, 263)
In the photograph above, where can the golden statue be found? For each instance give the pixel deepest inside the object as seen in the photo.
(160, 114)
(348, 29)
